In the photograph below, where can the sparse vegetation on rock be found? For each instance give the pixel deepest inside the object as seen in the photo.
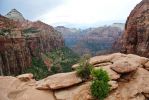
(100, 87)
(84, 68)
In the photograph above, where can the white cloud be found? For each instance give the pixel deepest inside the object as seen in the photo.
(89, 11)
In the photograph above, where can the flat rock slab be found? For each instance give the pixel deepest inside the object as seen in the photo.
(58, 81)
(81, 92)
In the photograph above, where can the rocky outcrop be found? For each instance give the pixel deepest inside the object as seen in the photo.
(132, 85)
(136, 36)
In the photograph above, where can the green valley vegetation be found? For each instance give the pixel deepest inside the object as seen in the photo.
(62, 60)
(38, 69)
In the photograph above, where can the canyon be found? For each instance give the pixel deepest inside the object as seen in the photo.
(94, 41)
(20, 40)
(128, 70)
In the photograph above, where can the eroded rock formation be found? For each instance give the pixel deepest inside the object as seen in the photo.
(22, 40)
(136, 36)
(129, 85)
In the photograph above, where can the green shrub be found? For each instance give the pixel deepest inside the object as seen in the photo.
(100, 87)
(100, 74)
(84, 69)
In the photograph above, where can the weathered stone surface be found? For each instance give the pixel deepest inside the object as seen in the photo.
(103, 64)
(25, 77)
(147, 65)
(135, 38)
(113, 85)
(58, 81)
(100, 59)
(123, 66)
(112, 74)
(12, 88)
(81, 92)
(133, 89)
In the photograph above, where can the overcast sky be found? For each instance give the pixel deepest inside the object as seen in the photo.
(72, 13)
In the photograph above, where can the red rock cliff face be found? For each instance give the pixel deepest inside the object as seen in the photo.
(136, 36)
(20, 41)
(14, 56)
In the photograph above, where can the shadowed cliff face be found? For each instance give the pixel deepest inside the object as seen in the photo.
(136, 36)
(21, 40)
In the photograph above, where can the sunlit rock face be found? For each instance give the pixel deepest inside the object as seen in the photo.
(15, 15)
(136, 36)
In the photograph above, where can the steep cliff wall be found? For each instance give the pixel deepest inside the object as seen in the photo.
(22, 40)
(136, 36)
(14, 55)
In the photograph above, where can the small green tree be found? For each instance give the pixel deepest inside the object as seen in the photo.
(100, 87)
(84, 69)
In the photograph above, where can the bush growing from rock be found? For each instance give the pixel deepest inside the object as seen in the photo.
(100, 87)
(84, 69)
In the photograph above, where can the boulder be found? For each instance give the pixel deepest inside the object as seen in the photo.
(81, 92)
(124, 66)
(58, 81)
(25, 77)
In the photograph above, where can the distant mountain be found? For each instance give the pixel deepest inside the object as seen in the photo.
(15, 15)
(92, 40)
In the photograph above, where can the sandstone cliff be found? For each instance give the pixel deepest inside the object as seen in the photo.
(129, 77)
(22, 40)
(136, 36)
